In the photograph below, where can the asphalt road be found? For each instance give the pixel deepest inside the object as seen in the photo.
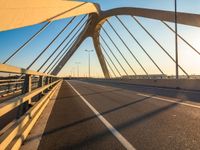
(101, 115)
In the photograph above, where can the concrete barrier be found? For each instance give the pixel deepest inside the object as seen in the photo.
(185, 84)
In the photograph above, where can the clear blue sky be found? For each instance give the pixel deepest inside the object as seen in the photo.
(11, 40)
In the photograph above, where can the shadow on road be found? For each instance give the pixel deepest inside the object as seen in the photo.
(57, 131)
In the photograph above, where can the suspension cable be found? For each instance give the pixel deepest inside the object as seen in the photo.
(113, 55)
(27, 42)
(110, 67)
(59, 45)
(181, 38)
(159, 45)
(63, 49)
(50, 43)
(57, 61)
(110, 60)
(127, 48)
(139, 45)
(118, 50)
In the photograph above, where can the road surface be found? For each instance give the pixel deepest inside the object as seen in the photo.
(100, 115)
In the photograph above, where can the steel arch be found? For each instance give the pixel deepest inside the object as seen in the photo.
(93, 29)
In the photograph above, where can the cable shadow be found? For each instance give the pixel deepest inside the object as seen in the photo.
(129, 123)
(119, 127)
(122, 126)
(87, 119)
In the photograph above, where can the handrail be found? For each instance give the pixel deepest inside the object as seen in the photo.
(11, 89)
(12, 69)
(11, 80)
(10, 83)
(11, 138)
(47, 85)
(16, 91)
(15, 102)
(16, 88)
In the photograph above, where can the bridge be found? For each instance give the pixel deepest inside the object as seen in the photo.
(137, 103)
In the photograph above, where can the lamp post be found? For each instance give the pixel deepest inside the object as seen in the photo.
(77, 63)
(89, 61)
(72, 72)
(176, 38)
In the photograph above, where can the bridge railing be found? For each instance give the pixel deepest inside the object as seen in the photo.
(10, 87)
(19, 114)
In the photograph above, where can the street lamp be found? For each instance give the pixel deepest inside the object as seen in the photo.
(89, 61)
(77, 63)
(176, 38)
(72, 72)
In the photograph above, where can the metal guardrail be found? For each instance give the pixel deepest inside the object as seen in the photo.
(11, 80)
(29, 105)
(9, 87)
(12, 69)
(10, 83)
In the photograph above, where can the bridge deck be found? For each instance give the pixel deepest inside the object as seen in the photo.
(71, 125)
(143, 116)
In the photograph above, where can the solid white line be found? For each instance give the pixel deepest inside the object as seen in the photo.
(171, 101)
(120, 138)
(162, 99)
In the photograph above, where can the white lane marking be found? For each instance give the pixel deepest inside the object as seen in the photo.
(120, 138)
(162, 99)
(171, 101)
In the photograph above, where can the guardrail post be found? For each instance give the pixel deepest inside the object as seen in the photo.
(27, 84)
(8, 87)
(27, 87)
(41, 84)
(50, 81)
(16, 86)
(47, 82)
